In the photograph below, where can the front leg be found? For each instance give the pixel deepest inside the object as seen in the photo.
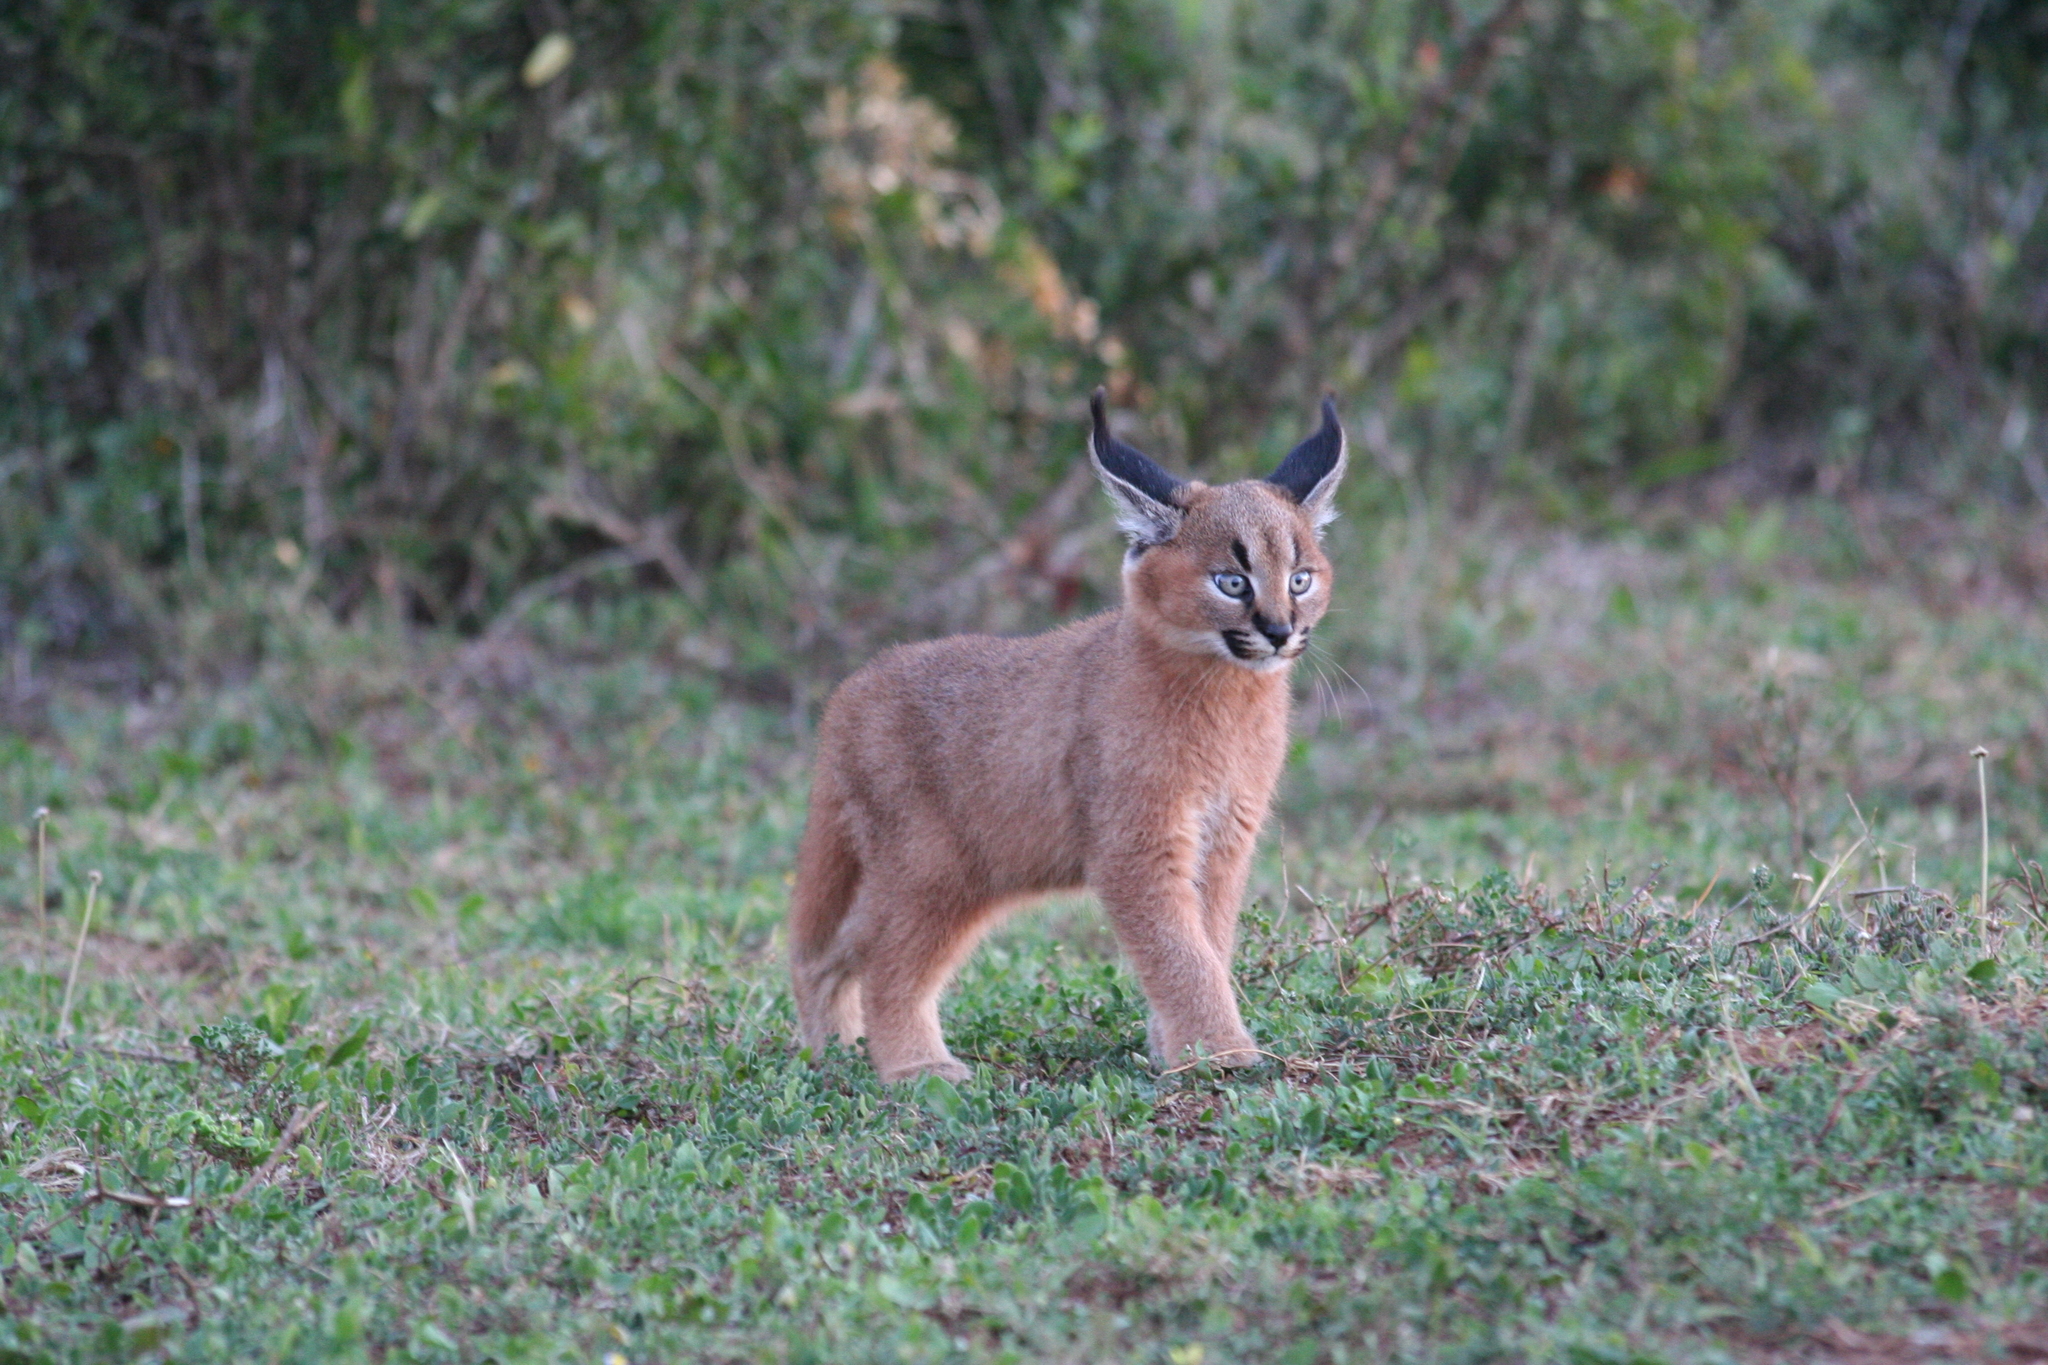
(1157, 912)
(1231, 838)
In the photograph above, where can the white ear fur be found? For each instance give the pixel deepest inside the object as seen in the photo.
(1143, 520)
(1140, 489)
(1321, 502)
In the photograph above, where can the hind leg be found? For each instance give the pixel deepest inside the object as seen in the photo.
(828, 1004)
(917, 938)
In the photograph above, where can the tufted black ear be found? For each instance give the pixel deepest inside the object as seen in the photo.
(1311, 470)
(1146, 496)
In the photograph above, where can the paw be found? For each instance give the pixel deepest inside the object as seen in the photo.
(948, 1067)
(1236, 1051)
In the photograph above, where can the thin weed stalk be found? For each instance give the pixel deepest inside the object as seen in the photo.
(42, 904)
(42, 861)
(1980, 753)
(92, 895)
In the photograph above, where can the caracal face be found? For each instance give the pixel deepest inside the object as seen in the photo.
(1244, 578)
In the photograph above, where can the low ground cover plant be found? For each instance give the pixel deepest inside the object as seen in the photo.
(432, 1009)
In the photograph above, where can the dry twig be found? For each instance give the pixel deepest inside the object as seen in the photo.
(293, 1131)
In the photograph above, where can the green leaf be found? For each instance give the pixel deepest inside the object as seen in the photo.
(1822, 996)
(358, 109)
(351, 1045)
(420, 216)
(1984, 972)
(940, 1096)
(1952, 1285)
(434, 1336)
(893, 1289)
(282, 1006)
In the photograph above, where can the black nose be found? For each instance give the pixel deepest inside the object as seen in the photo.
(1278, 635)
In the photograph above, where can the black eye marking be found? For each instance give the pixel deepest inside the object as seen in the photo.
(1244, 561)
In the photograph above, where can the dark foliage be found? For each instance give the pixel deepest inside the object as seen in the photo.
(447, 308)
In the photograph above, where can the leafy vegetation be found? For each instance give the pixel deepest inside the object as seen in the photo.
(436, 303)
(456, 307)
(1552, 242)
(434, 1007)
(447, 449)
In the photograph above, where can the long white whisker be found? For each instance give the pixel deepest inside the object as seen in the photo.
(1326, 697)
(1363, 691)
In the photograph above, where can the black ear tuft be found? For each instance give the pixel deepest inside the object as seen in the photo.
(1127, 464)
(1310, 472)
(1309, 463)
(1147, 498)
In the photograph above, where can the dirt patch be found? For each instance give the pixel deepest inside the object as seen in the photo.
(1112, 1285)
(1836, 1343)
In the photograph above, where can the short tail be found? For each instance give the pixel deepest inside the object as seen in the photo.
(827, 875)
(827, 878)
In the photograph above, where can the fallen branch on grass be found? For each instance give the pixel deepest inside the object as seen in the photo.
(145, 1200)
(293, 1131)
(98, 1194)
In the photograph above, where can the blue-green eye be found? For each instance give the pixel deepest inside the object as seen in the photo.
(1300, 582)
(1233, 584)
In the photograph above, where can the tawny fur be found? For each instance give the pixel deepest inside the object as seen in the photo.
(1133, 753)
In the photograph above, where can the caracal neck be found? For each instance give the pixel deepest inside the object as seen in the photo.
(1210, 683)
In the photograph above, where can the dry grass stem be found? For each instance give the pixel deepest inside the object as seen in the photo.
(42, 862)
(1980, 753)
(92, 895)
(1820, 889)
(60, 1172)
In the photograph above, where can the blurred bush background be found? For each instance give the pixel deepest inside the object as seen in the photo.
(447, 308)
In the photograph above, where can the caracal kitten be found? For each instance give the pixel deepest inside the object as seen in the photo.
(1133, 753)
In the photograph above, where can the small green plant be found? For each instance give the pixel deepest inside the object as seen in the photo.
(243, 1145)
(1513, 1115)
(237, 1047)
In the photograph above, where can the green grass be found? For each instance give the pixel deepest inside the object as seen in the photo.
(1556, 1076)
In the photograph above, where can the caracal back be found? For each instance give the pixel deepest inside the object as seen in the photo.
(1133, 753)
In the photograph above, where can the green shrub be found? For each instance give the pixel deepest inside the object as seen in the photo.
(1597, 238)
(421, 303)
(447, 309)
